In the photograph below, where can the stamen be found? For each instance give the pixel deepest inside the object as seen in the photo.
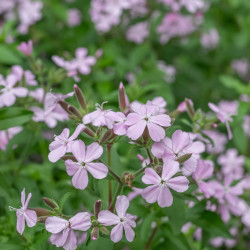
(12, 208)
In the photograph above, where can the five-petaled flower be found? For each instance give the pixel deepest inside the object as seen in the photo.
(122, 220)
(85, 157)
(24, 214)
(63, 234)
(159, 185)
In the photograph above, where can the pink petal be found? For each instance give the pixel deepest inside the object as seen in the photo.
(78, 130)
(156, 132)
(80, 221)
(196, 147)
(56, 154)
(54, 145)
(180, 140)
(136, 130)
(28, 200)
(64, 135)
(20, 224)
(158, 149)
(80, 179)
(132, 119)
(78, 150)
(60, 238)
(116, 233)
(23, 197)
(230, 135)
(107, 218)
(98, 170)
(121, 205)
(20, 91)
(170, 168)
(94, 151)
(8, 99)
(165, 198)
(179, 183)
(213, 107)
(71, 241)
(30, 217)
(71, 167)
(130, 234)
(150, 193)
(151, 177)
(162, 120)
(55, 224)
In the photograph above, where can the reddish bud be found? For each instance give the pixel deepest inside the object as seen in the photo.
(80, 97)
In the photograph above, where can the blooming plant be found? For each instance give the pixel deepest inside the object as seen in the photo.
(127, 124)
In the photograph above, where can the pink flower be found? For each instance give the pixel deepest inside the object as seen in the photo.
(9, 92)
(146, 117)
(138, 32)
(6, 135)
(224, 112)
(24, 214)
(240, 66)
(160, 104)
(63, 234)
(85, 157)
(100, 117)
(182, 107)
(219, 241)
(159, 189)
(246, 125)
(210, 40)
(29, 78)
(74, 17)
(204, 171)
(26, 48)
(119, 120)
(63, 143)
(122, 220)
(168, 70)
(182, 143)
(232, 164)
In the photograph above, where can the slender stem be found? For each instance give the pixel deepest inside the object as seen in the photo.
(151, 238)
(115, 175)
(149, 155)
(139, 172)
(109, 182)
(118, 191)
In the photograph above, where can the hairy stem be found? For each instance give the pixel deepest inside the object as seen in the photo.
(151, 239)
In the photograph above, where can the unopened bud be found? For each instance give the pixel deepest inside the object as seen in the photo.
(158, 169)
(41, 211)
(104, 230)
(97, 207)
(74, 111)
(49, 202)
(42, 219)
(190, 108)
(106, 136)
(184, 158)
(64, 105)
(68, 157)
(123, 99)
(89, 132)
(80, 97)
(95, 233)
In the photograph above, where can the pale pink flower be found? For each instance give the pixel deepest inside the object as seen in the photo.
(29, 13)
(232, 163)
(182, 107)
(159, 186)
(27, 75)
(218, 242)
(146, 117)
(181, 143)
(138, 32)
(193, 5)
(122, 220)
(24, 214)
(136, 192)
(26, 48)
(85, 157)
(63, 234)
(119, 119)
(6, 135)
(168, 70)
(246, 125)
(62, 143)
(160, 103)
(240, 66)
(74, 17)
(9, 92)
(204, 171)
(210, 39)
(225, 110)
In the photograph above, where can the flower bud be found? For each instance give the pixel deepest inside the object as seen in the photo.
(89, 132)
(106, 136)
(158, 169)
(42, 219)
(64, 105)
(128, 179)
(68, 157)
(97, 207)
(74, 111)
(80, 97)
(184, 158)
(104, 230)
(49, 202)
(123, 98)
(41, 211)
(95, 233)
(26, 48)
(190, 108)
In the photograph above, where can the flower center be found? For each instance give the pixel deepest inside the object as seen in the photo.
(163, 183)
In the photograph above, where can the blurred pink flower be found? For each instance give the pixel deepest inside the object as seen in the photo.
(122, 220)
(26, 48)
(138, 32)
(210, 39)
(6, 135)
(74, 17)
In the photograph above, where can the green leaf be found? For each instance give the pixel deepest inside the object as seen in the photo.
(146, 229)
(8, 56)
(11, 117)
(63, 200)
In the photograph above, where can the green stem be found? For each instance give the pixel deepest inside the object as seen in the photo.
(139, 172)
(151, 238)
(109, 182)
(149, 155)
(118, 191)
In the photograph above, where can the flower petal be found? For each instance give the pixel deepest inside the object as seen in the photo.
(55, 224)
(30, 217)
(121, 205)
(107, 218)
(80, 221)
(71, 241)
(20, 224)
(71, 167)
(129, 232)
(80, 179)
(150, 177)
(57, 153)
(150, 193)
(59, 239)
(165, 198)
(116, 233)
(180, 140)
(93, 152)
(98, 170)
(162, 120)
(78, 150)
(179, 183)
(136, 130)
(23, 197)
(156, 132)
(169, 169)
